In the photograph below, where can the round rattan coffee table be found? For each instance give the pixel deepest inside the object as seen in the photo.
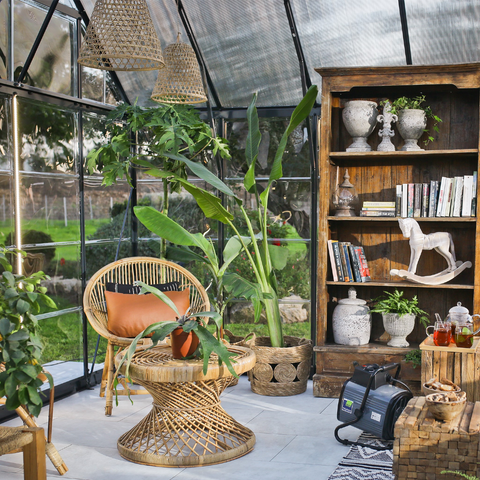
(187, 426)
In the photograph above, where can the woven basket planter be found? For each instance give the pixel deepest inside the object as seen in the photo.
(281, 371)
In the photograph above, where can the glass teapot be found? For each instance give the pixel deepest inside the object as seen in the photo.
(462, 326)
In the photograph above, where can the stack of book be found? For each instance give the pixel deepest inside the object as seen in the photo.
(449, 197)
(378, 209)
(348, 262)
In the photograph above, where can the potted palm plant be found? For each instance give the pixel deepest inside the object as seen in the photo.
(262, 255)
(20, 347)
(399, 315)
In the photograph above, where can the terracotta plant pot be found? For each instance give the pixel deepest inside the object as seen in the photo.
(183, 344)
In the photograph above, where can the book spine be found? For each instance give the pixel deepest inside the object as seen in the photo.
(474, 195)
(355, 265)
(447, 197)
(398, 201)
(378, 204)
(404, 200)
(364, 270)
(467, 195)
(379, 209)
(425, 199)
(457, 204)
(376, 213)
(344, 247)
(452, 196)
(441, 194)
(410, 199)
(344, 265)
(338, 260)
(332, 261)
(417, 200)
(432, 200)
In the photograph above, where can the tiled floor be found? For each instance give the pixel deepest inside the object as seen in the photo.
(294, 439)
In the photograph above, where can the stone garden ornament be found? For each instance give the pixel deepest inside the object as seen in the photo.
(386, 132)
(359, 118)
(441, 242)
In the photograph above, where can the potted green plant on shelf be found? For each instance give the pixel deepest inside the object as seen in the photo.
(399, 315)
(189, 337)
(412, 120)
(20, 347)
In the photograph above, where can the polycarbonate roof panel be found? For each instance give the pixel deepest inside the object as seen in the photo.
(444, 31)
(346, 33)
(247, 47)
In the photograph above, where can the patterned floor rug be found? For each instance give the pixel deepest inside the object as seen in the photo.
(363, 463)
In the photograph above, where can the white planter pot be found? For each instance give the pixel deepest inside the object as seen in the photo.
(411, 125)
(398, 328)
(360, 118)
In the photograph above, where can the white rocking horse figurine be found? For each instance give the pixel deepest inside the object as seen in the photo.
(441, 242)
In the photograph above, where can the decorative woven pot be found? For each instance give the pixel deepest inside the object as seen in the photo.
(398, 328)
(281, 371)
(183, 344)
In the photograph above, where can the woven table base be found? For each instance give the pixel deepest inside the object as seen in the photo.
(186, 427)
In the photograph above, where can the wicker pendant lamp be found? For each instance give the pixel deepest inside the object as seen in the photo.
(121, 36)
(180, 81)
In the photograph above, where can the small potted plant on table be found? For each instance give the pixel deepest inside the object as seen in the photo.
(399, 315)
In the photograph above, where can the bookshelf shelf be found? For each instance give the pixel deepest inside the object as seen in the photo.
(374, 283)
(453, 93)
(471, 220)
(418, 155)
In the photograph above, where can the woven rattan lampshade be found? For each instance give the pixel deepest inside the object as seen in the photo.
(121, 36)
(180, 81)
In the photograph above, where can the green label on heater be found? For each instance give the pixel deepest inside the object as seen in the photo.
(347, 406)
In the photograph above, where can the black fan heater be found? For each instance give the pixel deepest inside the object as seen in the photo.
(371, 402)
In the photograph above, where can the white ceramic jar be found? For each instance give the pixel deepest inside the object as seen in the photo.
(351, 322)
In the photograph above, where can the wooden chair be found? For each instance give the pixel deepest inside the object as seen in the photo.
(148, 270)
(32, 442)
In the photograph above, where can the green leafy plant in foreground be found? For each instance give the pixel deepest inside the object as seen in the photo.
(20, 347)
(396, 303)
(189, 322)
(263, 257)
(415, 103)
(460, 474)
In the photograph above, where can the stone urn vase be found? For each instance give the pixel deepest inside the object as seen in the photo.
(411, 125)
(360, 118)
(351, 322)
(398, 327)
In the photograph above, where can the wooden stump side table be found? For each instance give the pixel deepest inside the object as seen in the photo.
(423, 446)
(187, 426)
(460, 365)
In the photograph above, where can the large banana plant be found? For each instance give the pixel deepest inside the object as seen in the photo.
(263, 257)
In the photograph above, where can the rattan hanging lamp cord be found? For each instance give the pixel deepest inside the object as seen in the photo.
(121, 37)
(180, 81)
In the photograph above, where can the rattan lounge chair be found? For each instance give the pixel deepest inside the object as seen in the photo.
(126, 271)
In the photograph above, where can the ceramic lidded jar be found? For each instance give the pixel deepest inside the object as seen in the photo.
(352, 322)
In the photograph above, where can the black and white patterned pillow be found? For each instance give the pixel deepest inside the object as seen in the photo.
(135, 289)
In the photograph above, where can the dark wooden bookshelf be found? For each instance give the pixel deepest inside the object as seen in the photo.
(453, 93)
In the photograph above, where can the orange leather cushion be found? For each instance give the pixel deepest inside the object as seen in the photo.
(128, 315)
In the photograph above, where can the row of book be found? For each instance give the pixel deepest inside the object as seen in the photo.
(348, 262)
(449, 197)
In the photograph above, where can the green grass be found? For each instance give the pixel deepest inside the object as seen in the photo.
(62, 336)
(59, 232)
